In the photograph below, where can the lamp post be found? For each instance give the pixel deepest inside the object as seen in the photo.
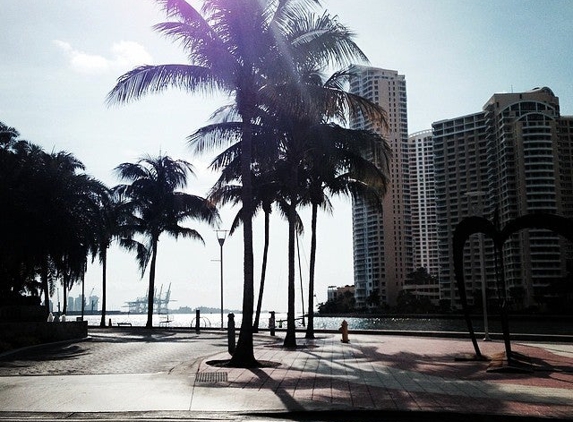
(479, 211)
(221, 236)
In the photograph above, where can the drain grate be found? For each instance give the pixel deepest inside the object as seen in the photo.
(211, 377)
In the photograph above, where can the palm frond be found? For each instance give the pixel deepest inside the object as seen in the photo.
(142, 252)
(177, 231)
(215, 136)
(194, 207)
(150, 79)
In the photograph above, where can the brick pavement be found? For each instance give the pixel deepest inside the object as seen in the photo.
(376, 374)
(105, 354)
(407, 374)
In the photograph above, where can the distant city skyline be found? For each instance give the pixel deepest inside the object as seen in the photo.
(58, 62)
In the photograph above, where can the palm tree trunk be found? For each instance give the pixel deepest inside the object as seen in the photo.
(151, 293)
(290, 338)
(103, 286)
(65, 288)
(310, 326)
(45, 287)
(244, 356)
(263, 274)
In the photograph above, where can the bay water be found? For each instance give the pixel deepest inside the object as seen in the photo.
(392, 323)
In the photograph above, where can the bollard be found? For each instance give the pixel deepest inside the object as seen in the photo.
(109, 323)
(198, 321)
(272, 323)
(231, 332)
(344, 330)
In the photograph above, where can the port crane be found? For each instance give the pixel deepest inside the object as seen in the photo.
(160, 302)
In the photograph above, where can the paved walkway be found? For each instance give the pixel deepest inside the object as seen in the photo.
(394, 373)
(371, 375)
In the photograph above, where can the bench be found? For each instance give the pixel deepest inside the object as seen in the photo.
(124, 324)
(165, 323)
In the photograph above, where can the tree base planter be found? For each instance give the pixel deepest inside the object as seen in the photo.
(14, 335)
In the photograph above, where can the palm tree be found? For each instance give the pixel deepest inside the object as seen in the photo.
(312, 141)
(237, 47)
(228, 188)
(335, 164)
(48, 219)
(299, 151)
(227, 191)
(73, 200)
(159, 207)
(17, 266)
(114, 213)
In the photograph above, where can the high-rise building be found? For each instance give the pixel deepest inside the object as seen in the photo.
(423, 215)
(382, 240)
(78, 304)
(461, 174)
(512, 158)
(71, 304)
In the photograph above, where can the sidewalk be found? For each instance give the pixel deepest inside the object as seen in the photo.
(392, 373)
(373, 375)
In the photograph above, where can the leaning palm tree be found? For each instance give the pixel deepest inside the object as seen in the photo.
(159, 208)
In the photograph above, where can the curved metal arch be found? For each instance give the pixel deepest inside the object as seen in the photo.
(466, 228)
(473, 225)
(560, 225)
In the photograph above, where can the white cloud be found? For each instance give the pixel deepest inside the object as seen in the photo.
(124, 56)
(129, 54)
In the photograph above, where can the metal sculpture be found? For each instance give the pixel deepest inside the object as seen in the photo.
(474, 225)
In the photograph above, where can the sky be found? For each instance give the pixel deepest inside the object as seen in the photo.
(58, 61)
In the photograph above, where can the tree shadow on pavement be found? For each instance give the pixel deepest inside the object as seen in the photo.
(362, 377)
(541, 365)
(140, 334)
(43, 354)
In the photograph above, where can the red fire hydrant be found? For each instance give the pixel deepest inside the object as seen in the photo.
(344, 330)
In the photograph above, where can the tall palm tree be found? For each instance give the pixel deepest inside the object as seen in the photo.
(114, 214)
(159, 208)
(313, 141)
(227, 191)
(73, 200)
(301, 151)
(237, 46)
(336, 165)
